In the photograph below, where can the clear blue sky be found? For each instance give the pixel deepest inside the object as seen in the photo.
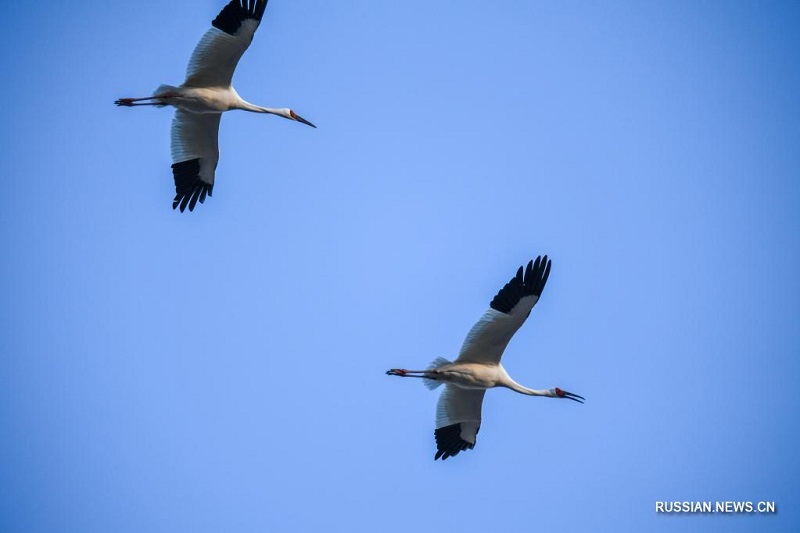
(223, 370)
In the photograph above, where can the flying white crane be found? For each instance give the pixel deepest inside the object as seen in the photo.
(458, 413)
(204, 96)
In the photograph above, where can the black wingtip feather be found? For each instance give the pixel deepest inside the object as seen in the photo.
(189, 188)
(237, 11)
(449, 442)
(531, 283)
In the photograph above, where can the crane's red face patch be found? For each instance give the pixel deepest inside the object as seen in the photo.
(292, 113)
(559, 392)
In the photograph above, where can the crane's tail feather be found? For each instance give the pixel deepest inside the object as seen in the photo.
(436, 363)
(431, 383)
(163, 89)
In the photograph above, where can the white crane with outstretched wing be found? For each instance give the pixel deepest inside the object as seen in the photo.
(204, 96)
(477, 368)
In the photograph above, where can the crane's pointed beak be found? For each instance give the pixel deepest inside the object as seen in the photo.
(576, 397)
(298, 118)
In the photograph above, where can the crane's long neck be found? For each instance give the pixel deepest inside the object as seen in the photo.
(516, 387)
(247, 106)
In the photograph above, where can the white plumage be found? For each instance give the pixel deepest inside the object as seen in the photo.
(204, 96)
(216, 55)
(194, 137)
(477, 368)
(461, 407)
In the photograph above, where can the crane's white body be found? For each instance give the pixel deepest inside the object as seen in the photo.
(206, 94)
(478, 368)
(200, 100)
(479, 376)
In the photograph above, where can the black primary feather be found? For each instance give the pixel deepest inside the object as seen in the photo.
(449, 442)
(236, 12)
(531, 283)
(189, 188)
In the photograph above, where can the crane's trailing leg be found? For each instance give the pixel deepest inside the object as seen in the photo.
(130, 102)
(431, 377)
(402, 372)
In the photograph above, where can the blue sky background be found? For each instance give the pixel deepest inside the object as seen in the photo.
(223, 370)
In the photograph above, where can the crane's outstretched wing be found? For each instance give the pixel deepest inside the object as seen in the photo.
(216, 55)
(458, 419)
(195, 154)
(489, 337)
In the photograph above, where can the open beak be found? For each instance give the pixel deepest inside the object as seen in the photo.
(575, 397)
(298, 118)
